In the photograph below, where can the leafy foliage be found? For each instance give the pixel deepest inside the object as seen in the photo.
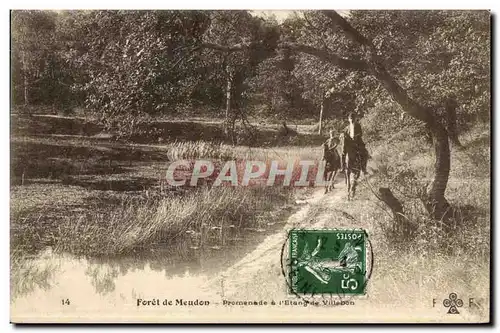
(137, 63)
(436, 55)
(128, 67)
(40, 74)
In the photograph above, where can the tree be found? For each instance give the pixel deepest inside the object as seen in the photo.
(330, 88)
(369, 60)
(137, 64)
(239, 28)
(436, 203)
(32, 59)
(441, 58)
(276, 89)
(132, 65)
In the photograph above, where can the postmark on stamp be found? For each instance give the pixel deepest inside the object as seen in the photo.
(327, 261)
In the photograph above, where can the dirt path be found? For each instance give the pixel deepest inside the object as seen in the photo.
(258, 276)
(262, 266)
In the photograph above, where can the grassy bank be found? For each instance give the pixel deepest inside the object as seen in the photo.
(76, 190)
(200, 219)
(108, 199)
(93, 215)
(429, 259)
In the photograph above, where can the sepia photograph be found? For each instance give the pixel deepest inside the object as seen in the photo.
(250, 166)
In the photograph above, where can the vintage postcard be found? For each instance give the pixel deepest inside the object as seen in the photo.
(216, 166)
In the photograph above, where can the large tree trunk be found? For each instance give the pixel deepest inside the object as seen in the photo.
(451, 117)
(435, 201)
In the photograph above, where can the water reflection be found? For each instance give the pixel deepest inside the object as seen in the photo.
(147, 273)
(28, 274)
(102, 277)
(103, 272)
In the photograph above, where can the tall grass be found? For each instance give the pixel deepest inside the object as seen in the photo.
(185, 223)
(199, 149)
(436, 257)
(433, 258)
(130, 218)
(468, 193)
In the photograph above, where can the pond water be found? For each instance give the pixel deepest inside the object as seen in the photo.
(62, 281)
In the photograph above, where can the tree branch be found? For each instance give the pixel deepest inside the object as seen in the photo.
(436, 203)
(357, 65)
(377, 67)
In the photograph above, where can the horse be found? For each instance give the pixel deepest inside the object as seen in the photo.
(355, 162)
(332, 158)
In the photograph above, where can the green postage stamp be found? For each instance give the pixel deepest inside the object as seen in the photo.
(328, 261)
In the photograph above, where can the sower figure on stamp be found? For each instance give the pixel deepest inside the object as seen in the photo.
(354, 131)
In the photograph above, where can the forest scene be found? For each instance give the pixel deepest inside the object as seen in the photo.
(102, 101)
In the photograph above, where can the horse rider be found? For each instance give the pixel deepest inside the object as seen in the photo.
(332, 141)
(355, 133)
(328, 146)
